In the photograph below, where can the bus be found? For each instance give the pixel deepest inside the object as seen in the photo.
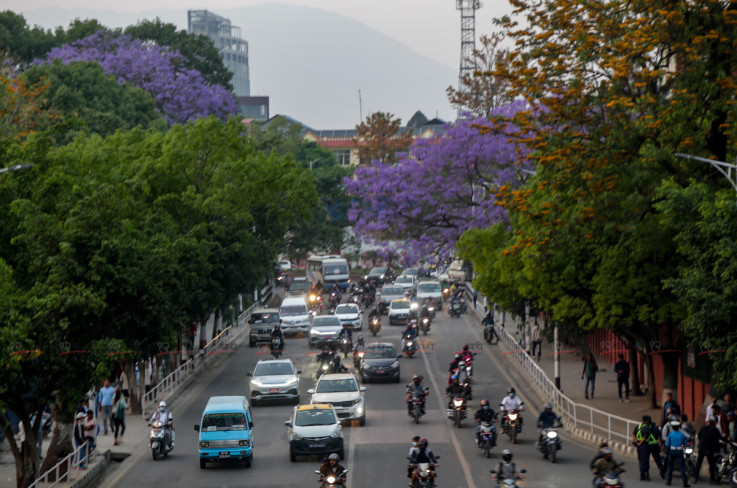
(328, 270)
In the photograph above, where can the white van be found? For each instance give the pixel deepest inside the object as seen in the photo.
(295, 315)
(329, 270)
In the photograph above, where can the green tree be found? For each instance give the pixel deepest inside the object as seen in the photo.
(381, 138)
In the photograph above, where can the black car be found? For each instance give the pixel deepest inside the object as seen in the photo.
(379, 276)
(380, 362)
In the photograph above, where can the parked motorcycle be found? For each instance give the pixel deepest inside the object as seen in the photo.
(330, 481)
(487, 438)
(505, 482)
(425, 325)
(408, 346)
(611, 479)
(374, 325)
(727, 464)
(277, 346)
(513, 424)
(550, 444)
(160, 439)
(458, 410)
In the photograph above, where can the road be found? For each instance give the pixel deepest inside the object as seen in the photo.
(375, 454)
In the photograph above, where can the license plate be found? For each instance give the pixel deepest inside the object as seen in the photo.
(224, 455)
(316, 446)
(273, 390)
(379, 371)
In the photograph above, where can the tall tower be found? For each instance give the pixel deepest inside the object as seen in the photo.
(468, 37)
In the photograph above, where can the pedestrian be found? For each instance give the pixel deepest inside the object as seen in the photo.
(675, 445)
(120, 406)
(91, 428)
(147, 375)
(537, 343)
(622, 368)
(475, 297)
(105, 405)
(124, 387)
(709, 438)
(589, 374)
(79, 438)
(646, 438)
(192, 334)
(670, 407)
(727, 405)
(719, 420)
(83, 406)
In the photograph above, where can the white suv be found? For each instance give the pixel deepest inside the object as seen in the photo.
(343, 393)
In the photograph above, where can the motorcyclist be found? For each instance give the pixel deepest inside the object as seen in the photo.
(423, 455)
(483, 414)
(413, 449)
(454, 364)
(464, 378)
(374, 313)
(455, 389)
(358, 347)
(605, 464)
(277, 332)
(164, 416)
(332, 468)
(489, 328)
(507, 469)
(411, 330)
(466, 355)
(511, 402)
(546, 420)
(416, 388)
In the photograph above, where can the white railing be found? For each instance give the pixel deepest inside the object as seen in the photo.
(580, 416)
(66, 470)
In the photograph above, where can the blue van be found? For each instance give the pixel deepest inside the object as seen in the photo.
(226, 431)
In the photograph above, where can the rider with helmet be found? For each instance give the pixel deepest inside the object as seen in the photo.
(358, 347)
(507, 469)
(416, 388)
(423, 455)
(603, 465)
(454, 364)
(455, 389)
(164, 416)
(547, 419)
(511, 402)
(330, 467)
(484, 414)
(277, 332)
(466, 355)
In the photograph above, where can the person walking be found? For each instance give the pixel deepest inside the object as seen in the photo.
(79, 438)
(589, 374)
(537, 342)
(105, 402)
(709, 447)
(670, 407)
(120, 406)
(675, 444)
(622, 368)
(646, 438)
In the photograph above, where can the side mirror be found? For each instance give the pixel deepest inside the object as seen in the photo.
(249, 374)
(363, 388)
(492, 471)
(399, 356)
(311, 391)
(299, 371)
(250, 424)
(288, 423)
(197, 427)
(523, 471)
(317, 472)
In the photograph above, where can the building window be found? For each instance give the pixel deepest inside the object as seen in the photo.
(343, 156)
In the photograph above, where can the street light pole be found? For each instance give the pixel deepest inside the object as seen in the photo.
(719, 165)
(17, 167)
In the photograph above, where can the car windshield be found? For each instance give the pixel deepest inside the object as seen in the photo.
(335, 386)
(404, 279)
(270, 369)
(301, 285)
(428, 288)
(399, 305)
(346, 309)
(260, 318)
(385, 352)
(306, 418)
(294, 310)
(395, 290)
(335, 269)
(223, 421)
(326, 322)
(411, 272)
(377, 271)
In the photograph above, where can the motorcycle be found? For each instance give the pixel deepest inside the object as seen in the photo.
(408, 346)
(611, 479)
(345, 345)
(367, 298)
(505, 482)
(160, 439)
(374, 325)
(513, 424)
(329, 363)
(417, 409)
(357, 358)
(487, 438)
(425, 325)
(455, 308)
(550, 444)
(727, 465)
(458, 411)
(424, 471)
(277, 346)
(689, 461)
(330, 481)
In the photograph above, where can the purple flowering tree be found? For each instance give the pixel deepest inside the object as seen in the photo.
(419, 207)
(181, 94)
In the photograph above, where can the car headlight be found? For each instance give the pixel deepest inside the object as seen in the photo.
(204, 444)
(256, 383)
(293, 381)
(394, 365)
(552, 434)
(359, 410)
(244, 443)
(296, 436)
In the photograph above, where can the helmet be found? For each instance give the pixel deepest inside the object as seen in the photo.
(415, 377)
(606, 450)
(422, 443)
(461, 364)
(81, 415)
(510, 390)
(675, 424)
(360, 338)
(548, 406)
(484, 402)
(465, 347)
(507, 455)
(457, 356)
(454, 377)
(162, 403)
(333, 456)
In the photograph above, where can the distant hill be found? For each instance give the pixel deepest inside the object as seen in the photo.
(311, 63)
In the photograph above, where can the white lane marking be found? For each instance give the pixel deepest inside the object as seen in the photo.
(451, 432)
(351, 452)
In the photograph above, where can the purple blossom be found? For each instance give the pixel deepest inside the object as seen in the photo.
(428, 199)
(181, 94)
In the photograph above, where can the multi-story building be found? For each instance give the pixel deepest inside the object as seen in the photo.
(227, 39)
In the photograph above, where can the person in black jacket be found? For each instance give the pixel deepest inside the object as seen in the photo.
(709, 438)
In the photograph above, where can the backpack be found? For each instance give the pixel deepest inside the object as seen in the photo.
(120, 410)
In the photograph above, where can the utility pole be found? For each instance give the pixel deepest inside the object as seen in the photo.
(17, 167)
(468, 38)
(719, 165)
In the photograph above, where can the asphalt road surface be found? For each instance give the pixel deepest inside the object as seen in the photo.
(376, 453)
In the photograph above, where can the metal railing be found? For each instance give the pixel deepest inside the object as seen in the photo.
(580, 416)
(68, 469)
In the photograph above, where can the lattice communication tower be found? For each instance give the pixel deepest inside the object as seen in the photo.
(468, 36)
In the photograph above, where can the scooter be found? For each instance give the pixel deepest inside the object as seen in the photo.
(277, 346)
(550, 444)
(160, 439)
(455, 308)
(487, 438)
(425, 325)
(505, 482)
(331, 481)
(610, 480)
(408, 346)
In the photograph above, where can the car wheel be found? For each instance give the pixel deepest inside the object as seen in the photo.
(296, 400)
(203, 464)
(292, 456)
(362, 420)
(251, 343)
(248, 461)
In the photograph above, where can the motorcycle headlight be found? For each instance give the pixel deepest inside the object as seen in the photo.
(325, 367)
(204, 444)
(409, 343)
(689, 450)
(552, 434)
(445, 290)
(512, 416)
(360, 354)
(457, 402)
(432, 309)
(413, 306)
(313, 298)
(331, 479)
(157, 425)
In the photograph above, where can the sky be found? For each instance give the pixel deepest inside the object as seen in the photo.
(430, 28)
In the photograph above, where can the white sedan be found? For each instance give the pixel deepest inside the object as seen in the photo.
(349, 313)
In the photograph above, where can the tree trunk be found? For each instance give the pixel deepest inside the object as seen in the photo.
(203, 333)
(62, 443)
(651, 380)
(216, 323)
(26, 454)
(634, 372)
(670, 373)
(133, 387)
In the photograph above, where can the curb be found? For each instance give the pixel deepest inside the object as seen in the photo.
(93, 473)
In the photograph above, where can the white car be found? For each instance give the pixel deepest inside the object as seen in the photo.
(430, 289)
(285, 265)
(324, 329)
(274, 379)
(343, 393)
(349, 313)
(399, 311)
(407, 282)
(314, 429)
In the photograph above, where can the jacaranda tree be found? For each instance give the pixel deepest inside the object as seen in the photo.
(181, 94)
(428, 199)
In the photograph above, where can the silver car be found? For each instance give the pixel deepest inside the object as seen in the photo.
(350, 314)
(387, 294)
(275, 379)
(324, 329)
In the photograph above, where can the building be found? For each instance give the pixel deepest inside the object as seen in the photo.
(254, 108)
(227, 39)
